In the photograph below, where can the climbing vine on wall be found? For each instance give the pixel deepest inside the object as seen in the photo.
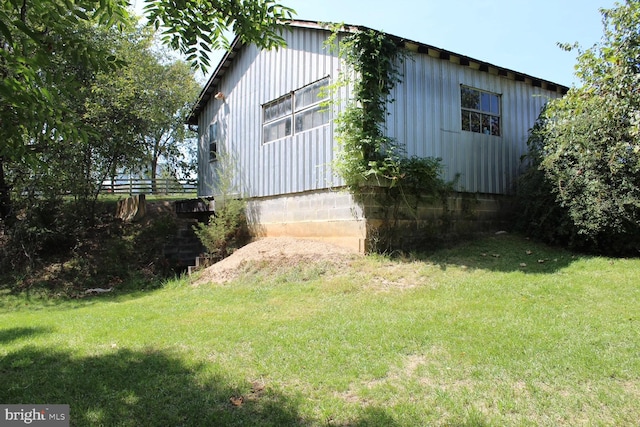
(368, 157)
(372, 70)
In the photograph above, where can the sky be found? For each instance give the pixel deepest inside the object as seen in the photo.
(521, 35)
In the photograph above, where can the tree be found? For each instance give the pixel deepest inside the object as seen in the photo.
(140, 108)
(590, 150)
(195, 28)
(37, 36)
(175, 90)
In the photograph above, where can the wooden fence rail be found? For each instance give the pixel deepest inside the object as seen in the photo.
(145, 186)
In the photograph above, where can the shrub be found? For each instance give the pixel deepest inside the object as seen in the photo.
(51, 246)
(226, 230)
(586, 148)
(45, 228)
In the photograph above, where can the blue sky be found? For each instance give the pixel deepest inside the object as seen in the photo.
(521, 35)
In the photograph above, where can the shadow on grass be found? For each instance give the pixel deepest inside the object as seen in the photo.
(374, 417)
(138, 388)
(38, 299)
(149, 388)
(12, 334)
(500, 253)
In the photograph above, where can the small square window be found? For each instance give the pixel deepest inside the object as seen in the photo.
(480, 111)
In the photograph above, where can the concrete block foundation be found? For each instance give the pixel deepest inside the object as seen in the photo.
(331, 216)
(335, 216)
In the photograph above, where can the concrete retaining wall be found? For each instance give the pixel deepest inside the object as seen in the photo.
(184, 247)
(335, 216)
(326, 215)
(418, 223)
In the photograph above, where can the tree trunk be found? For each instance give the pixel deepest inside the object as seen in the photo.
(6, 208)
(154, 184)
(155, 157)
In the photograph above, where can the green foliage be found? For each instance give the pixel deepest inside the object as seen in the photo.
(195, 28)
(422, 176)
(165, 110)
(51, 52)
(368, 157)
(137, 113)
(46, 48)
(125, 117)
(54, 250)
(36, 35)
(46, 227)
(538, 212)
(371, 59)
(587, 147)
(227, 229)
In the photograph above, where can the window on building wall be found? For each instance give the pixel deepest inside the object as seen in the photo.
(480, 111)
(213, 141)
(296, 112)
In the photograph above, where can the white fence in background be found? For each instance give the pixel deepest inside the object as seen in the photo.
(146, 186)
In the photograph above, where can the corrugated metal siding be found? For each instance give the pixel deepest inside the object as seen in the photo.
(425, 118)
(293, 164)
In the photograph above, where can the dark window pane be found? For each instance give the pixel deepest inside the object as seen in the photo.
(313, 117)
(311, 94)
(475, 122)
(299, 122)
(213, 151)
(271, 112)
(480, 111)
(287, 127)
(267, 133)
(466, 121)
(321, 117)
(276, 109)
(470, 98)
(285, 107)
(495, 125)
(486, 124)
(276, 130)
(213, 131)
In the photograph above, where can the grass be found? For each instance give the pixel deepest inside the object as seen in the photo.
(478, 334)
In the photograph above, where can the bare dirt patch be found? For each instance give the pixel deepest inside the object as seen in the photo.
(275, 252)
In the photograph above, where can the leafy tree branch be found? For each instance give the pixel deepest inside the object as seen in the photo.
(586, 145)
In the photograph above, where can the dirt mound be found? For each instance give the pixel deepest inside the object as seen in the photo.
(274, 251)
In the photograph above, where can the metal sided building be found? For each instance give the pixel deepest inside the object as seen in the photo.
(261, 126)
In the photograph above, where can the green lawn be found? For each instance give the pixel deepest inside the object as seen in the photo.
(496, 331)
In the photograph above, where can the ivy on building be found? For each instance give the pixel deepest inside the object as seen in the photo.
(368, 158)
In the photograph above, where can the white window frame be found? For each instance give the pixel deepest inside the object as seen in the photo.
(290, 110)
(489, 119)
